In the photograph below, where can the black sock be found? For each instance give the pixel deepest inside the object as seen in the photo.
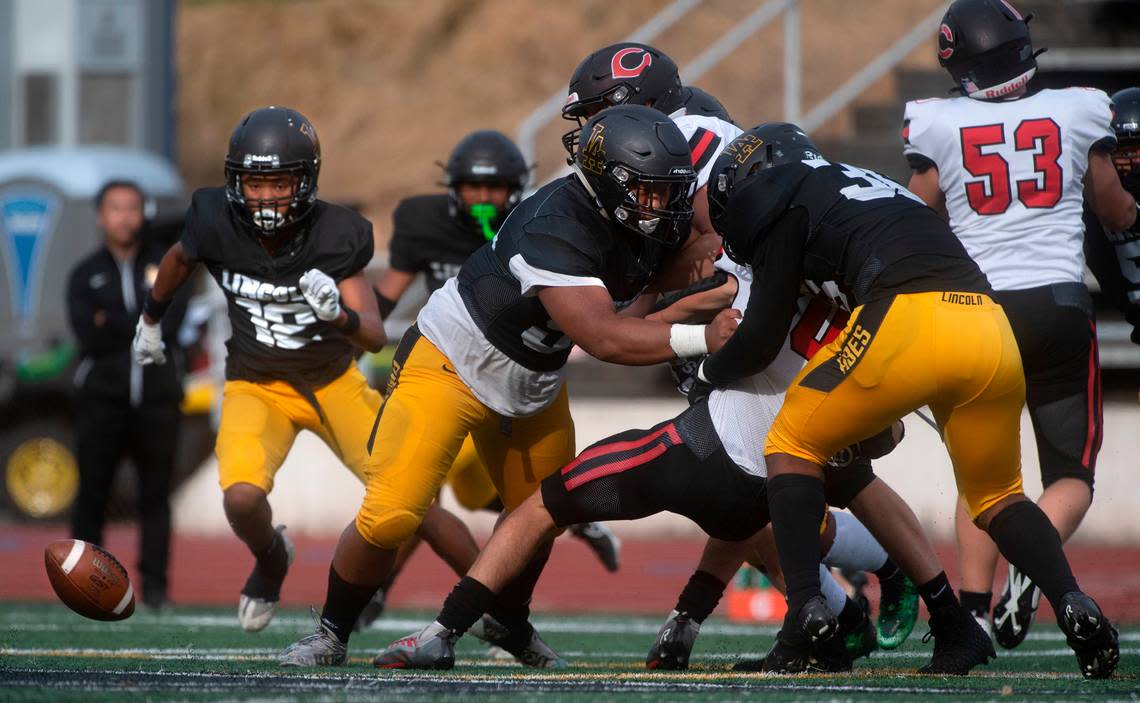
(268, 571)
(1029, 541)
(273, 561)
(700, 596)
(343, 604)
(937, 594)
(887, 571)
(512, 604)
(464, 605)
(977, 603)
(796, 504)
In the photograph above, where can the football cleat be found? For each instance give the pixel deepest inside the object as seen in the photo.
(431, 648)
(322, 648)
(898, 610)
(536, 653)
(372, 611)
(602, 542)
(1014, 611)
(1090, 634)
(674, 643)
(960, 643)
(807, 648)
(258, 601)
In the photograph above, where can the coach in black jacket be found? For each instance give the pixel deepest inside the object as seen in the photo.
(123, 409)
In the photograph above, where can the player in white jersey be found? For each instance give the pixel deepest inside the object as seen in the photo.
(1010, 169)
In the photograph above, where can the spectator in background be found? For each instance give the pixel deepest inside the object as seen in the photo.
(123, 409)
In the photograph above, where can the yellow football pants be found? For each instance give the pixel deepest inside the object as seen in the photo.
(952, 351)
(427, 416)
(261, 420)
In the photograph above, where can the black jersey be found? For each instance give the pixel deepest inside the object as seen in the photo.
(275, 334)
(818, 221)
(556, 237)
(427, 238)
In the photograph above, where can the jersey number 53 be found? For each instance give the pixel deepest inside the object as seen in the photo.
(992, 193)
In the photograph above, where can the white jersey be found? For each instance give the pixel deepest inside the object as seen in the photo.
(743, 412)
(1012, 174)
(707, 137)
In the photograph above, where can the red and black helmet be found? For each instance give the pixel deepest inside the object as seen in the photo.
(626, 73)
(985, 46)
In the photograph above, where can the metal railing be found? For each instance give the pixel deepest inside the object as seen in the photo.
(844, 95)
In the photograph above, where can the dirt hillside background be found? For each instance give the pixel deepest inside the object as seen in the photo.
(391, 85)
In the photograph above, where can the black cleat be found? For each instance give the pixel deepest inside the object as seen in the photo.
(806, 647)
(1090, 634)
(859, 638)
(960, 643)
(674, 643)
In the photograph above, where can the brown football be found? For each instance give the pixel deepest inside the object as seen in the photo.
(89, 580)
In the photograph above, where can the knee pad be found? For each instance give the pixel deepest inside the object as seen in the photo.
(842, 484)
(387, 528)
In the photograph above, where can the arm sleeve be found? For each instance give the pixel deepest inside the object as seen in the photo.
(917, 135)
(777, 269)
(402, 250)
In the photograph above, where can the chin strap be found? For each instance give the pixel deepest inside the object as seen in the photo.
(586, 184)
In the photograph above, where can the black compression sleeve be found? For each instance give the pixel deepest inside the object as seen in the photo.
(776, 274)
(714, 281)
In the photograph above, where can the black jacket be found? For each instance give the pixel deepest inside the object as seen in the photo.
(104, 327)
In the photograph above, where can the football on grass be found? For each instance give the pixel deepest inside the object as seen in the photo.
(89, 580)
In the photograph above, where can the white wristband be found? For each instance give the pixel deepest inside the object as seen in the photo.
(688, 340)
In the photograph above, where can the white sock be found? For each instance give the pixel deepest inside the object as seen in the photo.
(834, 594)
(854, 548)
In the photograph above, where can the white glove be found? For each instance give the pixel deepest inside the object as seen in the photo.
(148, 346)
(321, 294)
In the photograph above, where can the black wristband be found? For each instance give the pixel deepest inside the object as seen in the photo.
(351, 321)
(386, 305)
(153, 308)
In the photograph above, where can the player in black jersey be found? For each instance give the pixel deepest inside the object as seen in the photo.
(434, 234)
(485, 175)
(1114, 257)
(923, 331)
(486, 359)
(291, 267)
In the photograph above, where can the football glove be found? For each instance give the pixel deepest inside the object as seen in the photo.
(685, 379)
(321, 294)
(148, 347)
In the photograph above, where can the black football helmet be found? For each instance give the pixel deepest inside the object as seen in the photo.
(630, 154)
(1126, 124)
(701, 102)
(758, 149)
(620, 74)
(485, 156)
(270, 141)
(985, 46)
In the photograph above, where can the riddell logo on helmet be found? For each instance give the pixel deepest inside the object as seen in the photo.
(618, 63)
(945, 33)
(1006, 88)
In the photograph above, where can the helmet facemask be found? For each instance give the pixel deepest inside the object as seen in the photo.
(269, 216)
(1126, 159)
(657, 208)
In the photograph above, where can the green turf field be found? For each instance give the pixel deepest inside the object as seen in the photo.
(49, 654)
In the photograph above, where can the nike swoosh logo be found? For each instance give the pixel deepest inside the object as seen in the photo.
(449, 370)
